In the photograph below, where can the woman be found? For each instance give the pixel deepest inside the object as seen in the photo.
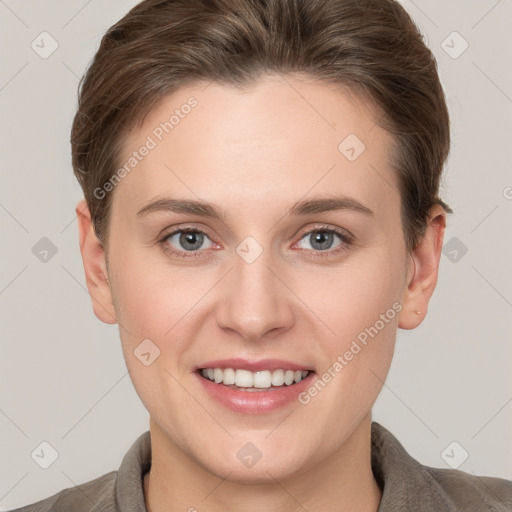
(261, 215)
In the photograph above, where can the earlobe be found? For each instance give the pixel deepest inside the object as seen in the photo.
(93, 258)
(423, 271)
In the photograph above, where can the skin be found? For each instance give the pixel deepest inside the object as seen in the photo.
(254, 153)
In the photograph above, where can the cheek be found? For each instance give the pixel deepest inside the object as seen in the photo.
(360, 304)
(151, 297)
(149, 307)
(352, 297)
(160, 303)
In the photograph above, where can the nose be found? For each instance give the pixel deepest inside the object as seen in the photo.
(256, 302)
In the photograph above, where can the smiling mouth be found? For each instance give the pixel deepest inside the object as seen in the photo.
(245, 380)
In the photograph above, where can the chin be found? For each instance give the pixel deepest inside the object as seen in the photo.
(260, 473)
(249, 465)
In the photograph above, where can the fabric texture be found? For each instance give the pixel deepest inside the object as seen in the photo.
(407, 485)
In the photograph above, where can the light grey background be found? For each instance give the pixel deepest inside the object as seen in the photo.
(63, 377)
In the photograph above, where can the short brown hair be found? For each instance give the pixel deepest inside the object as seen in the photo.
(370, 46)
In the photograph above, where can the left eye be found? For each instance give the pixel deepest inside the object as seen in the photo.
(322, 239)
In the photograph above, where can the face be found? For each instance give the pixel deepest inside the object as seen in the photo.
(269, 276)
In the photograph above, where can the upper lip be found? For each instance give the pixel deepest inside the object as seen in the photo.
(254, 366)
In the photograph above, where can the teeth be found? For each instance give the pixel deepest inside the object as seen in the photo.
(217, 375)
(228, 376)
(244, 379)
(277, 378)
(263, 379)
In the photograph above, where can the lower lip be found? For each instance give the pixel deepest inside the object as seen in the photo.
(254, 402)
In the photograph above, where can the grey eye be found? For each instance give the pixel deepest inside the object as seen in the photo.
(187, 240)
(320, 239)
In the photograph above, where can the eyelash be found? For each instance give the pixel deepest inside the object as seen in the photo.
(345, 239)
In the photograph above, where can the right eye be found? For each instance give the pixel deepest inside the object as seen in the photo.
(189, 240)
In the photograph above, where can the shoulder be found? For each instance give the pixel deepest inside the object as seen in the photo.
(92, 496)
(471, 492)
(409, 485)
(111, 492)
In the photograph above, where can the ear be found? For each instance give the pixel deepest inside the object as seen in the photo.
(423, 271)
(96, 274)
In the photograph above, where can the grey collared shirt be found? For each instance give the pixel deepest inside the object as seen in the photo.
(406, 484)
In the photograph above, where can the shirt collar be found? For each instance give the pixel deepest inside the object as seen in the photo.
(401, 478)
(130, 476)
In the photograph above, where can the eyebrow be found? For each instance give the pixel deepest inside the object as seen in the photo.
(301, 208)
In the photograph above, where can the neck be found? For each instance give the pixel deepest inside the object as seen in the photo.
(344, 482)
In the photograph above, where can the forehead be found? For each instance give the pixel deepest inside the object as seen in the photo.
(271, 143)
